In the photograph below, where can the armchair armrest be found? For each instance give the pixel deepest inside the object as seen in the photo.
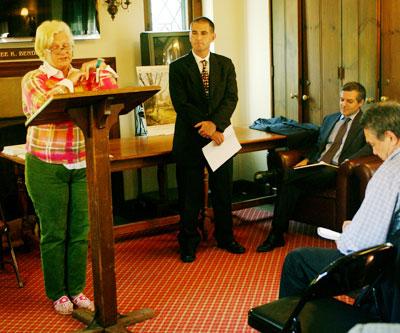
(290, 157)
(365, 171)
(353, 175)
(348, 167)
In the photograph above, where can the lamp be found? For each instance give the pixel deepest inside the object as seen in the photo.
(113, 5)
(29, 20)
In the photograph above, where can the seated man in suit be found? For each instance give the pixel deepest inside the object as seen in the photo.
(340, 137)
(378, 218)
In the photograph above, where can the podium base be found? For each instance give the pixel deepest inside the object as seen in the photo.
(87, 317)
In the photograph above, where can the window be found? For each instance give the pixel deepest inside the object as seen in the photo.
(170, 15)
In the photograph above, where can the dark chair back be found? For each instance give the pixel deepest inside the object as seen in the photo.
(384, 297)
(352, 272)
(347, 274)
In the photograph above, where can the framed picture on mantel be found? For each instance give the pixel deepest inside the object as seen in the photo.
(159, 112)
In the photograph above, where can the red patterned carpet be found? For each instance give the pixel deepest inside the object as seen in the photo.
(213, 294)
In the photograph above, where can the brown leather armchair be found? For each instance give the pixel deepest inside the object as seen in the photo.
(364, 172)
(330, 207)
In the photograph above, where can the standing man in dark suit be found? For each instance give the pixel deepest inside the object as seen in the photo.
(341, 137)
(203, 91)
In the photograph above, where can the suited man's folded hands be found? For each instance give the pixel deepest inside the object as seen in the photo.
(217, 137)
(206, 128)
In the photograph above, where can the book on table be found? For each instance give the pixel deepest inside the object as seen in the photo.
(316, 165)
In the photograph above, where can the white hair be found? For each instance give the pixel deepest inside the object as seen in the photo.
(45, 35)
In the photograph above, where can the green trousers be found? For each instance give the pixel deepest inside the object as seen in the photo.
(59, 196)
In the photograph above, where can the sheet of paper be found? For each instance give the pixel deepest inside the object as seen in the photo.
(328, 234)
(216, 155)
(15, 150)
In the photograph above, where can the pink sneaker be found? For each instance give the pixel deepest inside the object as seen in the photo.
(63, 305)
(82, 302)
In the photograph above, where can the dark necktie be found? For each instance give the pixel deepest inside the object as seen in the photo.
(204, 77)
(333, 149)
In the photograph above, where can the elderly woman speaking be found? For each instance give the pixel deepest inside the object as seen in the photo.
(55, 166)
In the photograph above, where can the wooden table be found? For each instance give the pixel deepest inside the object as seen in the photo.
(140, 152)
(143, 151)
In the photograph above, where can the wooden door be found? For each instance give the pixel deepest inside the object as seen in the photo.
(322, 57)
(341, 43)
(360, 44)
(286, 55)
(335, 42)
(390, 50)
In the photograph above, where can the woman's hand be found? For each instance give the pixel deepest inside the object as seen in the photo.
(75, 76)
(93, 64)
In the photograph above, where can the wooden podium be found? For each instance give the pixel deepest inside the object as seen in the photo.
(95, 113)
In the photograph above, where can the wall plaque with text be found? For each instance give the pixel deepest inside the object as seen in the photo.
(17, 53)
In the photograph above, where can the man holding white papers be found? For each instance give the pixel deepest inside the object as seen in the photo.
(378, 218)
(340, 137)
(203, 91)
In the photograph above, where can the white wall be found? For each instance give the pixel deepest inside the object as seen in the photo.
(242, 29)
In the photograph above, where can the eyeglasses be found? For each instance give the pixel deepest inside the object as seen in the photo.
(57, 49)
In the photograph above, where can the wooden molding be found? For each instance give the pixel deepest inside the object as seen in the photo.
(195, 9)
(20, 68)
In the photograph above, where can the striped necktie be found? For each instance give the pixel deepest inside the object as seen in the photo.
(204, 77)
(333, 149)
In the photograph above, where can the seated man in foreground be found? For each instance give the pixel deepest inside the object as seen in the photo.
(379, 215)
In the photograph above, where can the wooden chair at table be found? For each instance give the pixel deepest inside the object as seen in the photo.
(4, 230)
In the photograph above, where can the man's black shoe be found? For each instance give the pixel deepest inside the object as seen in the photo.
(187, 249)
(233, 247)
(185, 257)
(273, 240)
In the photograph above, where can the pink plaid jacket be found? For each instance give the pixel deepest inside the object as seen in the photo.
(62, 142)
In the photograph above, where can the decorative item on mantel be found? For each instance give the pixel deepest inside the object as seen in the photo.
(140, 121)
(114, 4)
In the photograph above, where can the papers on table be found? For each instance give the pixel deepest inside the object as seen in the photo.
(16, 150)
(328, 234)
(216, 155)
